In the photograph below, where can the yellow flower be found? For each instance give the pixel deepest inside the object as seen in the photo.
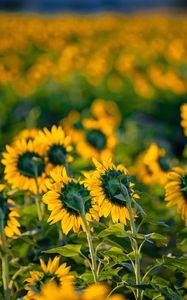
(11, 214)
(24, 163)
(184, 117)
(72, 126)
(176, 190)
(104, 183)
(50, 272)
(98, 139)
(63, 196)
(151, 166)
(27, 134)
(57, 146)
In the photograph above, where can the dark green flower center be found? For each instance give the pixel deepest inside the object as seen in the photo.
(4, 207)
(57, 155)
(71, 195)
(47, 277)
(148, 169)
(163, 164)
(96, 138)
(31, 164)
(111, 182)
(184, 185)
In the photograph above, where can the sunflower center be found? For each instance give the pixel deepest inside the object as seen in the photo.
(57, 155)
(47, 277)
(31, 164)
(163, 163)
(148, 169)
(70, 195)
(96, 138)
(111, 181)
(184, 186)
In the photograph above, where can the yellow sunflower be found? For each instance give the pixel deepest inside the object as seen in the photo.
(184, 117)
(51, 291)
(57, 146)
(27, 134)
(62, 196)
(108, 110)
(98, 139)
(11, 214)
(151, 166)
(104, 183)
(72, 126)
(176, 190)
(50, 272)
(24, 163)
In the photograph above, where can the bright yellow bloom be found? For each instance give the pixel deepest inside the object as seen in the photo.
(72, 126)
(104, 184)
(24, 163)
(27, 134)
(51, 291)
(151, 166)
(50, 272)
(98, 139)
(57, 146)
(176, 190)
(184, 117)
(11, 214)
(63, 193)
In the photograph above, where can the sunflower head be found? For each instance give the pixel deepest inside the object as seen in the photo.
(65, 199)
(184, 117)
(27, 134)
(176, 190)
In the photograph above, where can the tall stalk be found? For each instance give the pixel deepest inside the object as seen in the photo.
(37, 196)
(4, 257)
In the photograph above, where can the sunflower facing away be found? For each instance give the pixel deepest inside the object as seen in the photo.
(184, 117)
(151, 166)
(51, 291)
(176, 190)
(24, 164)
(98, 140)
(11, 214)
(104, 183)
(62, 195)
(50, 272)
(57, 146)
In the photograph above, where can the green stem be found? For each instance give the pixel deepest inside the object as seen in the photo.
(134, 244)
(5, 267)
(37, 196)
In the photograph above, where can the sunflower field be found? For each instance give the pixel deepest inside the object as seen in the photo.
(93, 127)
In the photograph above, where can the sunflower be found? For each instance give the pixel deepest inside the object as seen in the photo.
(72, 126)
(176, 190)
(27, 134)
(24, 165)
(51, 291)
(10, 212)
(151, 166)
(104, 183)
(57, 146)
(184, 117)
(98, 139)
(62, 198)
(108, 110)
(50, 272)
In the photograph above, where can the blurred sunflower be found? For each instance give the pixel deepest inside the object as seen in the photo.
(51, 291)
(24, 165)
(184, 117)
(104, 184)
(108, 110)
(176, 190)
(72, 126)
(11, 214)
(51, 272)
(98, 140)
(151, 166)
(57, 146)
(62, 199)
(27, 134)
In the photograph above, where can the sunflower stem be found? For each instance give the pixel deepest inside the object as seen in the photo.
(37, 196)
(4, 255)
(90, 243)
(134, 242)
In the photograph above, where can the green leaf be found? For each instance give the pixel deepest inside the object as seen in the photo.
(159, 238)
(67, 250)
(109, 273)
(178, 263)
(115, 229)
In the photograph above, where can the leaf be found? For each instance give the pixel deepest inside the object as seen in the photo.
(109, 273)
(159, 238)
(115, 229)
(67, 250)
(178, 263)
